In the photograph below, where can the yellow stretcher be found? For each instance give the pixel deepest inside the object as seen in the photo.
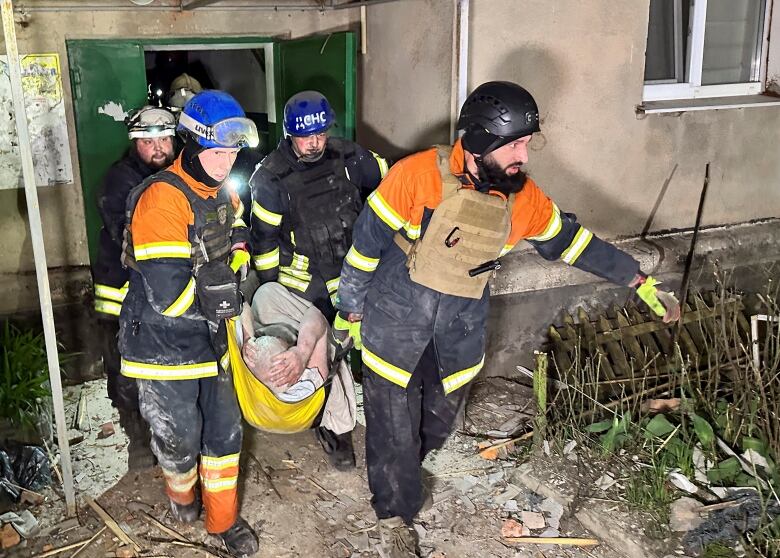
(260, 407)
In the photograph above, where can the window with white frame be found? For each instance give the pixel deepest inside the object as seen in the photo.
(705, 48)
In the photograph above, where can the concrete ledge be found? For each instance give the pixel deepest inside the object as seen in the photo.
(660, 255)
(530, 293)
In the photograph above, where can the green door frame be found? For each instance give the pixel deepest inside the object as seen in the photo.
(280, 83)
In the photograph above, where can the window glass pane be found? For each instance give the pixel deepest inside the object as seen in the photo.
(732, 37)
(660, 54)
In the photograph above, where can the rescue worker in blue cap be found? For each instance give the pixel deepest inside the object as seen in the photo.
(185, 245)
(307, 195)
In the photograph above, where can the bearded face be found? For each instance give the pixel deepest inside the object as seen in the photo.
(508, 177)
(156, 153)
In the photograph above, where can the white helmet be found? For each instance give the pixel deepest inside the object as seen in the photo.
(150, 122)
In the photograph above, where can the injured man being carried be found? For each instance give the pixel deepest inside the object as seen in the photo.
(290, 374)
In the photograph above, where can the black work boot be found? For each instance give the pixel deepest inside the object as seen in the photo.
(338, 447)
(240, 540)
(186, 513)
(139, 451)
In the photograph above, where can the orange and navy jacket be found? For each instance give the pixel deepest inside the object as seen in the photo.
(163, 334)
(411, 191)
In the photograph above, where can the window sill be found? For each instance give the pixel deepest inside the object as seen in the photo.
(712, 103)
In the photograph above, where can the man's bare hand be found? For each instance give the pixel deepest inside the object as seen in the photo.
(286, 367)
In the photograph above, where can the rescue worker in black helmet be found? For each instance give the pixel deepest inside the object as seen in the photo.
(416, 278)
(185, 244)
(307, 194)
(151, 131)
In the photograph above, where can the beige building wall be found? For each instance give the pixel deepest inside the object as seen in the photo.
(62, 208)
(584, 63)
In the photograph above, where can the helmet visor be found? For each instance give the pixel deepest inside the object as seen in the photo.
(236, 132)
(231, 132)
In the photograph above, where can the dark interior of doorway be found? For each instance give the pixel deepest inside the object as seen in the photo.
(240, 72)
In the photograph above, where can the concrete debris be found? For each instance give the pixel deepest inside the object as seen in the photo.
(682, 482)
(546, 448)
(468, 505)
(570, 445)
(605, 481)
(684, 515)
(511, 506)
(510, 493)
(755, 458)
(513, 528)
(550, 533)
(466, 483)
(422, 532)
(533, 520)
(9, 537)
(106, 430)
(493, 478)
(24, 522)
(553, 511)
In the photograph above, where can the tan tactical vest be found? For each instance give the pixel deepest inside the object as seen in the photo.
(467, 229)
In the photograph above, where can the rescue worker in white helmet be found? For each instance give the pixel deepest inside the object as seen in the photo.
(416, 276)
(307, 194)
(185, 245)
(151, 131)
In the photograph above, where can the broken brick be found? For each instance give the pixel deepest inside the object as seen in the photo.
(512, 528)
(9, 537)
(106, 430)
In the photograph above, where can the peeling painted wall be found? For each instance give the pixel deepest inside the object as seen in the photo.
(62, 207)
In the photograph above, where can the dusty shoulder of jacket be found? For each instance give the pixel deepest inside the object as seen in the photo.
(161, 195)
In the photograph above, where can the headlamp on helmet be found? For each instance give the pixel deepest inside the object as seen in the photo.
(150, 122)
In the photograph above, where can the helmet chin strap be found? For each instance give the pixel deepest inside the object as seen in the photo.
(306, 158)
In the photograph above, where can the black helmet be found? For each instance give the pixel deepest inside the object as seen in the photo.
(496, 113)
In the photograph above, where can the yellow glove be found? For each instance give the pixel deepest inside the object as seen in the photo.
(239, 261)
(343, 328)
(662, 303)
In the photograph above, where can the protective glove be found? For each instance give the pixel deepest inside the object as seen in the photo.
(239, 262)
(348, 325)
(662, 303)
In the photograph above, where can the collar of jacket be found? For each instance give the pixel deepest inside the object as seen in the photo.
(458, 168)
(198, 187)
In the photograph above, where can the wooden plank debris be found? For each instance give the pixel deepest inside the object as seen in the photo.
(113, 525)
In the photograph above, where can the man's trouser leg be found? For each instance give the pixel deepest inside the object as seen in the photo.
(123, 392)
(402, 426)
(221, 446)
(171, 409)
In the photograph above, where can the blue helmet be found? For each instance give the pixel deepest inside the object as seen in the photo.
(307, 113)
(215, 119)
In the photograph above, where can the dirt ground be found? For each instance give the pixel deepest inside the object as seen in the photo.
(300, 506)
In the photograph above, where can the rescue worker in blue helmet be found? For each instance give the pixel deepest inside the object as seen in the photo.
(417, 278)
(150, 130)
(307, 194)
(185, 245)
